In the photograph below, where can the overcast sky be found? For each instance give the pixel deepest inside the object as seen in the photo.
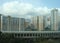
(27, 8)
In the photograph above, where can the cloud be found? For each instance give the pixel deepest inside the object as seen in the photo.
(0, 9)
(16, 8)
(42, 10)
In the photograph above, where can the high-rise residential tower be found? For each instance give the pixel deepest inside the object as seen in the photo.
(38, 22)
(54, 20)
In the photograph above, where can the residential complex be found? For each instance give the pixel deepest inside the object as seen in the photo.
(37, 23)
(12, 23)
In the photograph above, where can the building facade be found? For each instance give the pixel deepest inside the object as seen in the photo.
(8, 23)
(35, 22)
(59, 22)
(0, 22)
(54, 20)
(21, 24)
(38, 22)
(41, 23)
(4, 23)
(13, 23)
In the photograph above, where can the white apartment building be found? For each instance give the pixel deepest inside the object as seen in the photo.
(38, 22)
(54, 19)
